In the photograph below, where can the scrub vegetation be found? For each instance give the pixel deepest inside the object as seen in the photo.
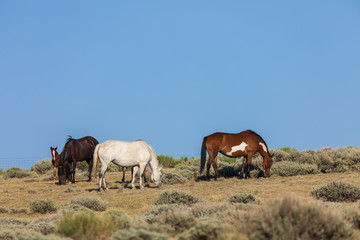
(310, 195)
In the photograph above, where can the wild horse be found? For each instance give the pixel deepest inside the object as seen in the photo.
(76, 150)
(244, 144)
(126, 154)
(55, 159)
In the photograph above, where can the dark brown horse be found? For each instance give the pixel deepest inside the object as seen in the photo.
(75, 150)
(55, 159)
(245, 144)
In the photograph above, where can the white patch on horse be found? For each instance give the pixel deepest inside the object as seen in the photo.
(263, 146)
(236, 148)
(53, 153)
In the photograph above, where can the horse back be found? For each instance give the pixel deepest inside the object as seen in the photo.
(79, 149)
(224, 142)
(125, 153)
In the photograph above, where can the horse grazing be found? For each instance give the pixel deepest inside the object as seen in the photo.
(126, 154)
(244, 144)
(76, 150)
(55, 159)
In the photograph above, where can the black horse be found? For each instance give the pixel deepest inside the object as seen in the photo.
(75, 150)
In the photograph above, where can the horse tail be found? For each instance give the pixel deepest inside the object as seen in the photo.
(95, 167)
(203, 155)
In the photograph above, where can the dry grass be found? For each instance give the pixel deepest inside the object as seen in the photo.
(16, 193)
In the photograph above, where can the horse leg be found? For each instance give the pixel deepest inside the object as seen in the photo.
(212, 157)
(123, 179)
(134, 170)
(244, 165)
(90, 163)
(142, 167)
(73, 170)
(144, 175)
(102, 183)
(54, 174)
(249, 159)
(214, 164)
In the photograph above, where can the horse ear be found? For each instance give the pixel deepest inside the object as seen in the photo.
(50, 147)
(56, 148)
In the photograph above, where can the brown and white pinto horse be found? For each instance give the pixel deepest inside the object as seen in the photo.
(55, 159)
(244, 144)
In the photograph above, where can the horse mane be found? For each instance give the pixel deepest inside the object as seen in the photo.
(68, 139)
(65, 146)
(251, 131)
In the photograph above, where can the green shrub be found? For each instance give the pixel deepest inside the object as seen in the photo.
(30, 235)
(203, 211)
(13, 221)
(19, 174)
(176, 198)
(24, 234)
(16, 169)
(75, 208)
(324, 163)
(4, 210)
(167, 161)
(119, 218)
(172, 178)
(279, 155)
(18, 210)
(43, 166)
(82, 166)
(243, 198)
(188, 172)
(337, 191)
(352, 216)
(43, 206)
(292, 219)
(42, 226)
(226, 159)
(138, 234)
(205, 230)
(92, 203)
(179, 222)
(153, 214)
(286, 169)
(86, 226)
(288, 150)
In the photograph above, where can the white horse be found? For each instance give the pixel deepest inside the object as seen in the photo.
(126, 154)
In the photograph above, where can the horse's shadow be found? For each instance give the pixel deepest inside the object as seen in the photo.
(230, 172)
(127, 185)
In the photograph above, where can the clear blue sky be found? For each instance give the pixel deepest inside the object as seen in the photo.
(172, 72)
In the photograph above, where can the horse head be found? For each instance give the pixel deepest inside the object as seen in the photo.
(156, 177)
(54, 156)
(63, 173)
(267, 163)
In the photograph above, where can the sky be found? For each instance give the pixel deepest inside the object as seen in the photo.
(172, 72)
